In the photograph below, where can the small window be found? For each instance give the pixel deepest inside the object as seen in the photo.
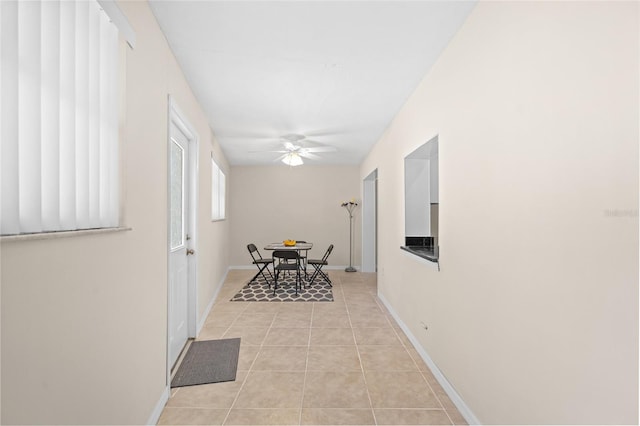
(218, 192)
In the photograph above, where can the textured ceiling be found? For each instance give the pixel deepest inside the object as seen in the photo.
(336, 72)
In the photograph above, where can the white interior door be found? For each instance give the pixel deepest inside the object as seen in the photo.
(178, 242)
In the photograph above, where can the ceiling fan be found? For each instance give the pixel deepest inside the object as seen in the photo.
(295, 149)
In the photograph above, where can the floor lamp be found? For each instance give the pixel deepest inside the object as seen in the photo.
(350, 206)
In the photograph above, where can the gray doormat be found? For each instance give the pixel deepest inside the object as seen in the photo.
(208, 361)
(259, 291)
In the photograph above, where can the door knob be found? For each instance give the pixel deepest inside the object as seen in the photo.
(190, 251)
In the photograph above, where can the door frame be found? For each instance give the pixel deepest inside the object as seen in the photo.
(370, 222)
(177, 118)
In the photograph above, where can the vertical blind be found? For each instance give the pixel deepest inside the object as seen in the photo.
(59, 120)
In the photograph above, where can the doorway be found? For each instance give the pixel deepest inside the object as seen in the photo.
(182, 149)
(370, 223)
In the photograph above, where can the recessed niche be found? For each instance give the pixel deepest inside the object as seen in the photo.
(422, 200)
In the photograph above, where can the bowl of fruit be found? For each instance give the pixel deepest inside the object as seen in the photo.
(289, 243)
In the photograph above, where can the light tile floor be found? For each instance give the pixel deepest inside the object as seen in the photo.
(320, 363)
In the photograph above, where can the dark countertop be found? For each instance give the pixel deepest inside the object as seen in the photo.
(421, 251)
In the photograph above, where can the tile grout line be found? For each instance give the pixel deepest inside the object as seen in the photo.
(306, 362)
(351, 310)
(172, 395)
(250, 368)
(416, 364)
(364, 376)
(196, 339)
(246, 377)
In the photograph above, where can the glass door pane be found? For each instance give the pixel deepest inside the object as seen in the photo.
(177, 195)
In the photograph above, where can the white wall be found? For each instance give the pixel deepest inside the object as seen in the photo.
(433, 178)
(273, 203)
(84, 319)
(417, 187)
(533, 317)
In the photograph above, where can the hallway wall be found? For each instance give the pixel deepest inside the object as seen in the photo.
(273, 203)
(84, 319)
(533, 317)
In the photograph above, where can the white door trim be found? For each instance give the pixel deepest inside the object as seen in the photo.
(176, 117)
(369, 231)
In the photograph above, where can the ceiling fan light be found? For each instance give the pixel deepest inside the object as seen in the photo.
(292, 159)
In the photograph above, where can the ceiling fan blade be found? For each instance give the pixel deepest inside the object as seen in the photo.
(309, 155)
(309, 143)
(321, 149)
(325, 132)
(249, 137)
(293, 137)
(290, 147)
(280, 157)
(260, 152)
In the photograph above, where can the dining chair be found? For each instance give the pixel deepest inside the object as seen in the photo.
(318, 264)
(261, 263)
(286, 260)
(303, 259)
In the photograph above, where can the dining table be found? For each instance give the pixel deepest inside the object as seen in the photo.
(297, 247)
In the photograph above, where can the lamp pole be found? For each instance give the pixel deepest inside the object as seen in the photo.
(350, 205)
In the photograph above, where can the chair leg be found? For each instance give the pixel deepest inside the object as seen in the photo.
(261, 272)
(256, 275)
(315, 273)
(313, 276)
(302, 282)
(275, 282)
(270, 275)
(303, 265)
(326, 277)
(319, 271)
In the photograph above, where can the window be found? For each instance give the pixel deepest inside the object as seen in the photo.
(421, 195)
(218, 192)
(59, 128)
(176, 199)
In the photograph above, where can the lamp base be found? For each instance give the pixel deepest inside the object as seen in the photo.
(350, 269)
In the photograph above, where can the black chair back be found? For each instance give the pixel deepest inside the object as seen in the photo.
(262, 264)
(327, 253)
(253, 250)
(284, 255)
(318, 264)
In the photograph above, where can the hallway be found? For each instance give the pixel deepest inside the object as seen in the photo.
(345, 362)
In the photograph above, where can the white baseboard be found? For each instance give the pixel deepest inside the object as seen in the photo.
(448, 388)
(203, 320)
(157, 411)
(340, 268)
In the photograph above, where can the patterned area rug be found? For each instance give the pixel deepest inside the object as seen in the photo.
(259, 291)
